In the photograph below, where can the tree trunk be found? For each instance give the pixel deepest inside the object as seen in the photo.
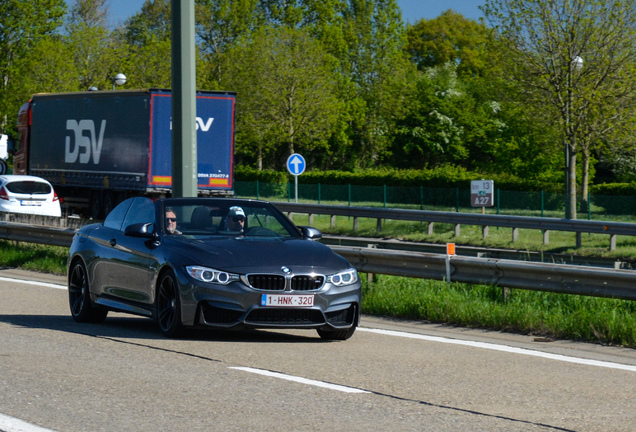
(571, 199)
(585, 204)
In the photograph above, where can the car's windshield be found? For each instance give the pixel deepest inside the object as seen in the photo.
(223, 217)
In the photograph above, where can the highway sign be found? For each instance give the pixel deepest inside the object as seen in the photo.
(481, 193)
(296, 164)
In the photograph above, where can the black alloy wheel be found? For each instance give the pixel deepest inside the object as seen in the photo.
(169, 305)
(79, 296)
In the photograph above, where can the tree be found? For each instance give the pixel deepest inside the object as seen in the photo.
(89, 43)
(219, 23)
(379, 72)
(547, 42)
(450, 38)
(287, 101)
(22, 26)
(151, 24)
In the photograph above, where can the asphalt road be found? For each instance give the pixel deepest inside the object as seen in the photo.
(390, 376)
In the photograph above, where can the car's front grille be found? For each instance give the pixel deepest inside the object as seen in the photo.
(307, 283)
(278, 283)
(267, 282)
(285, 316)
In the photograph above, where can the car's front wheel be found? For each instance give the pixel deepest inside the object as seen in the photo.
(79, 298)
(336, 334)
(169, 305)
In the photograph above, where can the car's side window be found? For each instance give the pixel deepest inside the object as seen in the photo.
(142, 210)
(116, 217)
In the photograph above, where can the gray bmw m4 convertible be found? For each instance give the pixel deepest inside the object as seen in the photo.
(211, 263)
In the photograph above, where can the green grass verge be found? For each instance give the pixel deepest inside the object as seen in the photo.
(35, 257)
(563, 316)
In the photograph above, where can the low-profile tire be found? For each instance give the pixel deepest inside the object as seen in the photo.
(79, 297)
(336, 334)
(169, 305)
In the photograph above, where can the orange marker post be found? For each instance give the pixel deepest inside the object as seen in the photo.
(450, 251)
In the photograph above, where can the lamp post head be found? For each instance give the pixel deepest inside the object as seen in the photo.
(119, 79)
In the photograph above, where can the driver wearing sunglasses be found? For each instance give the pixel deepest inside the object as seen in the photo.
(171, 222)
(235, 220)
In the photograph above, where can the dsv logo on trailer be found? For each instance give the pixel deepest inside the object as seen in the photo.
(84, 142)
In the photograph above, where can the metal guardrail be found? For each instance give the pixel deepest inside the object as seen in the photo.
(563, 278)
(515, 222)
(36, 234)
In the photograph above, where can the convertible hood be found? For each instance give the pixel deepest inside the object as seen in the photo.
(240, 255)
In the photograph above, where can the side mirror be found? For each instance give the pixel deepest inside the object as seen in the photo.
(144, 230)
(310, 232)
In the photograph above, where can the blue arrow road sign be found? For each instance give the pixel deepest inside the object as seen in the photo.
(296, 164)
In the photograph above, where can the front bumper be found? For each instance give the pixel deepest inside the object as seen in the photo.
(237, 306)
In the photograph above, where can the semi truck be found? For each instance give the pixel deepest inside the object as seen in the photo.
(98, 148)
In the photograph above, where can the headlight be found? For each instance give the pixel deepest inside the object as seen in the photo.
(346, 277)
(205, 274)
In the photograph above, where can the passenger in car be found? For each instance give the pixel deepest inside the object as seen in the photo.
(235, 220)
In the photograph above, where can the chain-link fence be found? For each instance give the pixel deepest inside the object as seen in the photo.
(541, 204)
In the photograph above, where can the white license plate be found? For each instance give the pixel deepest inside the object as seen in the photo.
(287, 300)
(31, 203)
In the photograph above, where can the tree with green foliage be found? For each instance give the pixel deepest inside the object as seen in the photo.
(150, 24)
(450, 38)
(90, 43)
(23, 25)
(379, 74)
(576, 56)
(219, 23)
(286, 87)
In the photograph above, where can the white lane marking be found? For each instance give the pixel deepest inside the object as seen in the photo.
(503, 348)
(495, 347)
(300, 380)
(10, 424)
(28, 282)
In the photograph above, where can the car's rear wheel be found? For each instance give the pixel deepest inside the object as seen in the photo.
(79, 297)
(169, 305)
(336, 334)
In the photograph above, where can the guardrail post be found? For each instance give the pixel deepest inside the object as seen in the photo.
(311, 220)
(355, 223)
(546, 237)
(430, 228)
(457, 230)
(579, 241)
(515, 234)
(370, 276)
(484, 231)
(333, 221)
(378, 227)
(612, 242)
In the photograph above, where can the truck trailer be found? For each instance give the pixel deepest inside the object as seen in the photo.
(98, 148)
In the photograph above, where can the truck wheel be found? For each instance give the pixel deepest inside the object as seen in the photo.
(3, 167)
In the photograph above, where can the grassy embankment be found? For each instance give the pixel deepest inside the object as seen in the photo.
(553, 315)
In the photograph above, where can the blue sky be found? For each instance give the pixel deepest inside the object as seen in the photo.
(412, 10)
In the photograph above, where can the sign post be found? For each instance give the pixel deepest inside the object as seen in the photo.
(481, 194)
(296, 166)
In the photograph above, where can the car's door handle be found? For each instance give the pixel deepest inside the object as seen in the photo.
(113, 242)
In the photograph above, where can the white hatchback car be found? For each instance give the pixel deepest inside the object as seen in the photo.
(28, 195)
